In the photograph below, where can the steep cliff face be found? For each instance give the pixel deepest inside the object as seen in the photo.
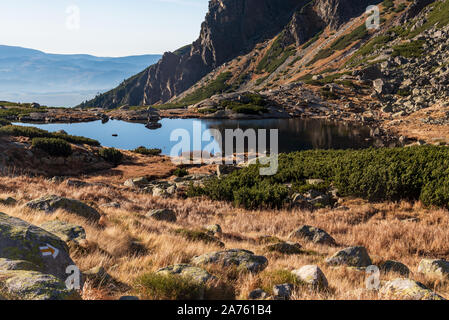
(231, 28)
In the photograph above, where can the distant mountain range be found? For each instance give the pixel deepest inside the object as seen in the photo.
(28, 75)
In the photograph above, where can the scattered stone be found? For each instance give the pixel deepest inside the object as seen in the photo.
(408, 289)
(8, 201)
(285, 248)
(64, 230)
(243, 259)
(20, 240)
(188, 271)
(314, 235)
(434, 267)
(283, 291)
(129, 298)
(162, 215)
(32, 285)
(312, 275)
(395, 266)
(351, 257)
(52, 203)
(214, 228)
(257, 294)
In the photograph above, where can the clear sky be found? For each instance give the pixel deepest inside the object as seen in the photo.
(101, 27)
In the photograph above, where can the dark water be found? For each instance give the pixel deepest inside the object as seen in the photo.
(294, 134)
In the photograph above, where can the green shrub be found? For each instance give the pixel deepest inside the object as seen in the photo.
(4, 123)
(54, 147)
(147, 152)
(168, 287)
(394, 174)
(111, 155)
(180, 172)
(412, 49)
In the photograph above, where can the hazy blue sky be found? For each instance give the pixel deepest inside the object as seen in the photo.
(105, 28)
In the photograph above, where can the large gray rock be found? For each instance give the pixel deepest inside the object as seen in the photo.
(242, 259)
(311, 275)
(64, 230)
(434, 267)
(32, 285)
(52, 203)
(351, 257)
(313, 234)
(20, 240)
(188, 271)
(162, 215)
(407, 289)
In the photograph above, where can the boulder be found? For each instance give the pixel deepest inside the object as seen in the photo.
(283, 291)
(162, 215)
(184, 270)
(313, 234)
(311, 275)
(64, 230)
(243, 259)
(285, 247)
(434, 267)
(351, 257)
(32, 285)
(395, 266)
(408, 289)
(52, 203)
(98, 276)
(20, 240)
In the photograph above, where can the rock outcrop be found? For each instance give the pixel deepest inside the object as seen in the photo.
(231, 28)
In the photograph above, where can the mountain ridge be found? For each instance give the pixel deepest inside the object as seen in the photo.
(28, 74)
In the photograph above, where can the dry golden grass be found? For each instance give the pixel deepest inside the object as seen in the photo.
(128, 244)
